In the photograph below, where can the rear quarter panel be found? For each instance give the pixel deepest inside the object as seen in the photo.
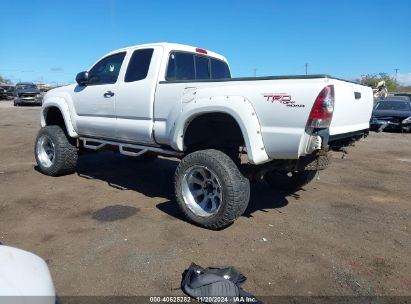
(282, 124)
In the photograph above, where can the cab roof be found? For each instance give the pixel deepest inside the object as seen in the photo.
(168, 47)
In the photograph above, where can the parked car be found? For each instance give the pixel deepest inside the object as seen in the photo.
(6, 92)
(10, 92)
(180, 100)
(403, 94)
(392, 113)
(3, 93)
(27, 93)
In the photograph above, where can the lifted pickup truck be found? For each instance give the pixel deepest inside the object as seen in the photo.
(181, 101)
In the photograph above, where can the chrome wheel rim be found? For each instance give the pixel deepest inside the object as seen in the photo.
(202, 191)
(46, 151)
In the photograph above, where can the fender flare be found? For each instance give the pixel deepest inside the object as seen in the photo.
(62, 105)
(238, 107)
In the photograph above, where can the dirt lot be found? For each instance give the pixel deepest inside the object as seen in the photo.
(114, 228)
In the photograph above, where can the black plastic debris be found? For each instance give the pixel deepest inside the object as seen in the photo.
(212, 285)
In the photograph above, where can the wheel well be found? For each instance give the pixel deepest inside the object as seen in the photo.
(53, 116)
(213, 130)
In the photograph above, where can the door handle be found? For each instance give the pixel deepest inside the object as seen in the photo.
(108, 94)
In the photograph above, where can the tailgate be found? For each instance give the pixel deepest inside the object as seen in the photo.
(352, 109)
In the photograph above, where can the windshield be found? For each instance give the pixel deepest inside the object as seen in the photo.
(393, 105)
(26, 87)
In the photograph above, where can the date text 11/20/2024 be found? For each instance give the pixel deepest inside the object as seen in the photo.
(211, 299)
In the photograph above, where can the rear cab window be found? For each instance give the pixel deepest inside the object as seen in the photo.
(202, 67)
(190, 66)
(181, 67)
(219, 69)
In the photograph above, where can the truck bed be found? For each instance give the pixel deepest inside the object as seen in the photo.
(282, 127)
(259, 78)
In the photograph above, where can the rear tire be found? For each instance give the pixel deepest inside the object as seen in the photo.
(55, 153)
(290, 181)
(210, 190)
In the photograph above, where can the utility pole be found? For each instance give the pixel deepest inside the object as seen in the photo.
(306, 69)
(396, 73)
(255, 72)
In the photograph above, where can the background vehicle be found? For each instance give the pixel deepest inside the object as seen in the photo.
(180, 100)
(6, 92)
(3, 93)
(392, 113)
(27, 93)
(403, 94)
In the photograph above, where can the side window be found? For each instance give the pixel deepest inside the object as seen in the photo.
(139, 64)
(219, 69)
(202, 67)
(181, 67)
(106, 70)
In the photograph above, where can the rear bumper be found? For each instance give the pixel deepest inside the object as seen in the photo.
(337, 142)
(319, 160)
(350, 135)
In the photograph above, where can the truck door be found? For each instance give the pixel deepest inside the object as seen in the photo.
(135, 98)
(95, 103)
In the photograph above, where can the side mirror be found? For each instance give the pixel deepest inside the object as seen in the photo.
(82, 78)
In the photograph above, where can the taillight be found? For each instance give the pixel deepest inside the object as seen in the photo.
(322, 110)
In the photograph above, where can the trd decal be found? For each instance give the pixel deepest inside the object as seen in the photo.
(282, 98)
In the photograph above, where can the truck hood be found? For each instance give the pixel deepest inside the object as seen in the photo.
(66, 88)
(60, 91)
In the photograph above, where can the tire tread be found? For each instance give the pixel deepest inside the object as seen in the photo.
(237, 188)
(66, 152)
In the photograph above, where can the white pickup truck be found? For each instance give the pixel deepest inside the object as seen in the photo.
(181, 101)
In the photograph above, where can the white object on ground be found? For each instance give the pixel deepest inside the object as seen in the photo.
(24, 278)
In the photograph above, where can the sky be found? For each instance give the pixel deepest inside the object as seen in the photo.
(51, 41)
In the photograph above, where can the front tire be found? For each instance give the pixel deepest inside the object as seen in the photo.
(290, 181)
(210, 190)
(55, 153)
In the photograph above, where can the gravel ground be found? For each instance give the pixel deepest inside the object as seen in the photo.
(114, 228)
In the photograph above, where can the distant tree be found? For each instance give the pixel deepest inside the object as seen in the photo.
(404, 89)
(4, 80)
(373, 79)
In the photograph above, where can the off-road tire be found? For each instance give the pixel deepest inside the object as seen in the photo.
(66, 152)
(235, 188)
(290, 181)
